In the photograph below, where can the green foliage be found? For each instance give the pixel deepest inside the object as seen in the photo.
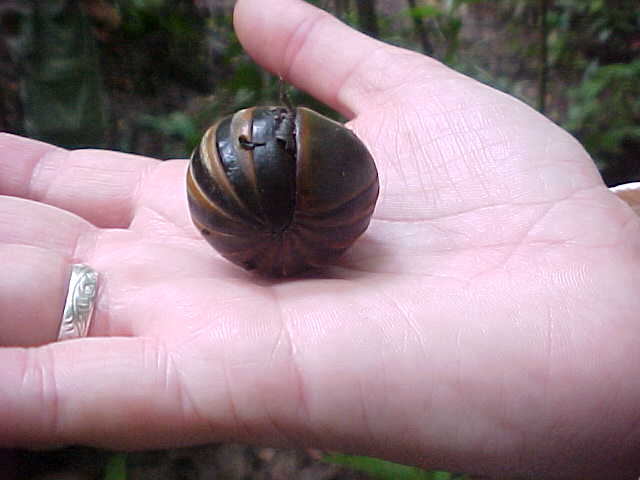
(424, 12)
(605, 108)
(599, 45)
(61, 87)
(446, 22)
(592, 81)
(383, 470)
(167, 51)
(161, 42)
(177, 124)
(116, 467)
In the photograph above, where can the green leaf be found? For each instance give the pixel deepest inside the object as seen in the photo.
(424, 11)
(116, 468)
(384, 470)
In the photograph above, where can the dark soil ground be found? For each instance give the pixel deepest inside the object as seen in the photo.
(211, 462)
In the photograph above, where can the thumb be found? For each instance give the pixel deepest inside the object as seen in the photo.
(338, 65)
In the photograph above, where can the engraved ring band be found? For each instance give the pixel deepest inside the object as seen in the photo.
(80, 303)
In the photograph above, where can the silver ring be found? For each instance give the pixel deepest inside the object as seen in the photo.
(78, 309)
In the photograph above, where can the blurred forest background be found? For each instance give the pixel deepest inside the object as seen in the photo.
(148, 76)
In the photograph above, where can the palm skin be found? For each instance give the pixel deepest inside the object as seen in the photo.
(487, 321)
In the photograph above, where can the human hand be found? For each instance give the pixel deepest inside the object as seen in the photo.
(487, 320)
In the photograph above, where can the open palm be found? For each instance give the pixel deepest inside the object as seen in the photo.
(487, 320)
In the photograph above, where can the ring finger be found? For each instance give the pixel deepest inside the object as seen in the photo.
(32, 293)
(39, 245)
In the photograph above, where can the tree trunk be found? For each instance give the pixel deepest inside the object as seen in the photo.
(367, 17)
(420, 30)
(341, 7)
(544, 56)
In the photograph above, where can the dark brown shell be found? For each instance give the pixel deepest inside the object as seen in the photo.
(281, 191)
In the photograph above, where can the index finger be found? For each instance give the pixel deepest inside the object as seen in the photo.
(101, 186)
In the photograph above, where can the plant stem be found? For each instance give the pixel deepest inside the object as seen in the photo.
(420, 30)
(544, 56)
(367, 17)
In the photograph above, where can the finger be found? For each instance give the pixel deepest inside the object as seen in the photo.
(38, 244)
(32, 294)
(80, 391)
(234, 378)
(336, 64)
(23, 222)
(115, 392)
(33, 290)
(100, 186)
(630, 194)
